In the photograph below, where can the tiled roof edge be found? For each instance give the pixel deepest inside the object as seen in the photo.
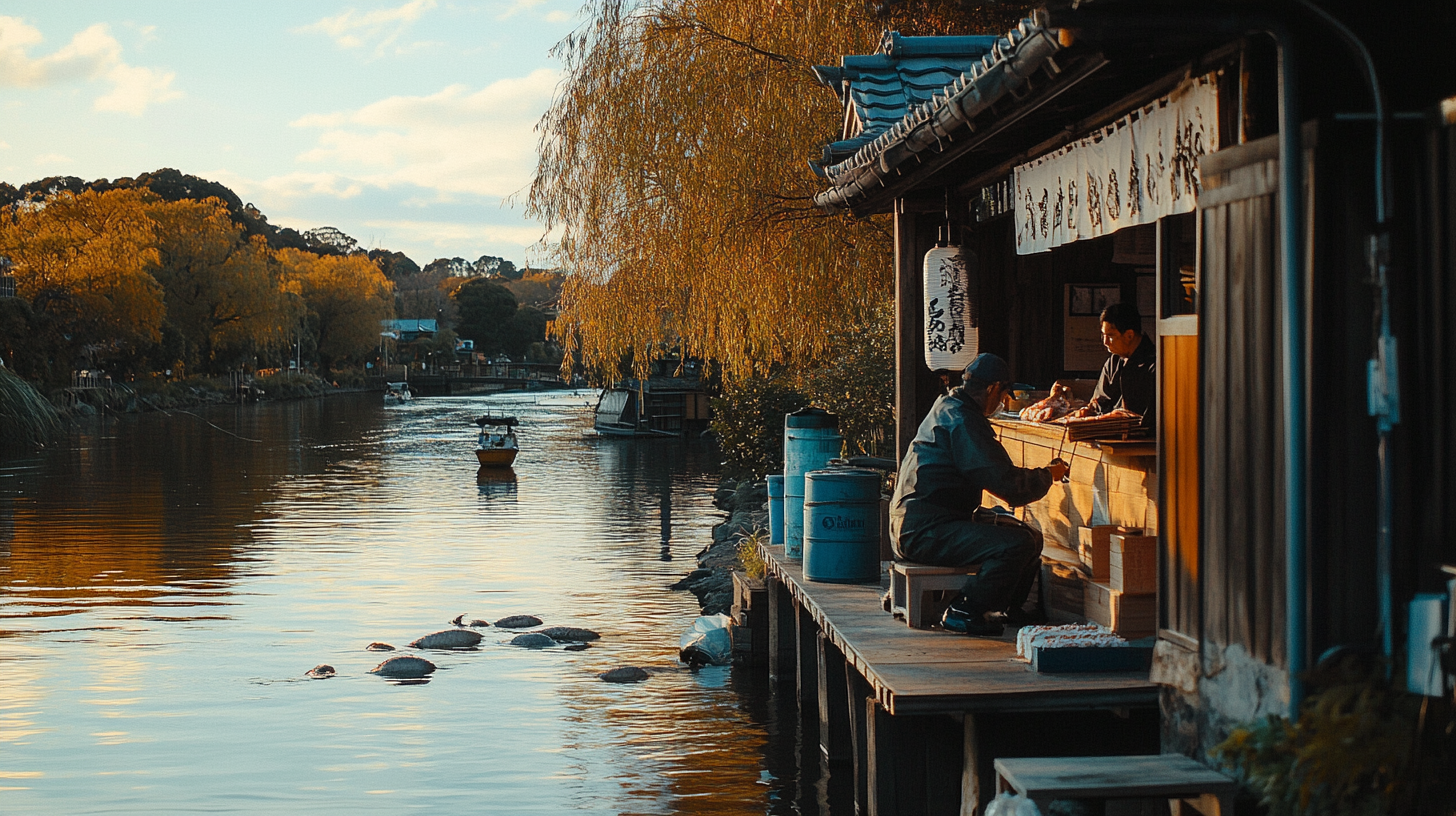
(1012, 59)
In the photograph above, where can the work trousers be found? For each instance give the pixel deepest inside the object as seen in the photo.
(1007, 549)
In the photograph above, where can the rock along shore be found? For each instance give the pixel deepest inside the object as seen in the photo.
(746, 503)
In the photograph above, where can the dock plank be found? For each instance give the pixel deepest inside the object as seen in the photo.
(918, 671)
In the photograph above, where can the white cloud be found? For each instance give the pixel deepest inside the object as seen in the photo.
(519, 6)
(558, 16)
(92, 55)
(293, 185)
(52, 158)
(452, 142)
(443, 234)
(383, 27)
(136, 88)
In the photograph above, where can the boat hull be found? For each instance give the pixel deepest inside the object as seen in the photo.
(496, 457)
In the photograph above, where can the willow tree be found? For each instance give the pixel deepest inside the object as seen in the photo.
(224, 293)
(82, 261)
(673, 167)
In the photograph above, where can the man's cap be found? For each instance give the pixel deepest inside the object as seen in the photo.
(989, 369)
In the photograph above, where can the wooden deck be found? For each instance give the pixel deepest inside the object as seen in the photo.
(915, 671)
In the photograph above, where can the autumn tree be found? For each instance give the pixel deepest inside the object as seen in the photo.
(673, 163)
(223, 291)
(345, 297)
(82, 261)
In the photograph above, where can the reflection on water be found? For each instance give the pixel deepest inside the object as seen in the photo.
(167, 582)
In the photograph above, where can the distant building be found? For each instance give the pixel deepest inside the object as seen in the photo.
(408, 331)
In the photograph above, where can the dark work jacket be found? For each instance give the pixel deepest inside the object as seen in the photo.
(954, 457)
(1130, 383)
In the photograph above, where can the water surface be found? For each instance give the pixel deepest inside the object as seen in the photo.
(166, 580)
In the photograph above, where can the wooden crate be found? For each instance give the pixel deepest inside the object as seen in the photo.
(1094, 547)
(1128, 614)
(1062, 591)
(1133, 563)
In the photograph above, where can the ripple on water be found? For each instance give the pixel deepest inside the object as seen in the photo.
(350, 524)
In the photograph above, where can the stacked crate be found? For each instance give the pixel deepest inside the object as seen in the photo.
(1122, 591)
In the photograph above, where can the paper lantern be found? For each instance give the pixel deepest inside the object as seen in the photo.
(951, 337)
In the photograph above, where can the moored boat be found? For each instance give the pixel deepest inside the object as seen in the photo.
(672, 402)
(496, 446)
(396, 393)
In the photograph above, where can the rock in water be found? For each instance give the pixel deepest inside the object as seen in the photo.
(322, 671)
(518, 622)
(376, 646)
(404, 666)
(477, 623)
(448, 639)
(532, 640)
(577, 647)
(569, 633)
(626, 674)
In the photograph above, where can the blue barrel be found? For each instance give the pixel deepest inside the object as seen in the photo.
(842, 525)
(811, 439)
(775, 509)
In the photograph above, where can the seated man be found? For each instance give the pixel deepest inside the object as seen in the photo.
(935, 516)
(1128, 379)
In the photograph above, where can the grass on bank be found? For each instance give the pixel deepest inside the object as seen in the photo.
(27, 418)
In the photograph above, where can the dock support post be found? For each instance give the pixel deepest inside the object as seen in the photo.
(834, 737)
(970, 779)
(914, 762)
(859, 693)
(808, 666)
(782, 632)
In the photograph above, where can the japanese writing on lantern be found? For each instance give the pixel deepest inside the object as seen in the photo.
(945, 322)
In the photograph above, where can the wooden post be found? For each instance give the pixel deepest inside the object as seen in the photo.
(970, 779)
(908, 330)
(807, 670)
(859, 692)
(782, 631)
(914, 762)
(834, 738)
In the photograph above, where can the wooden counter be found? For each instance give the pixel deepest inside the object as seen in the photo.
(1110, 482)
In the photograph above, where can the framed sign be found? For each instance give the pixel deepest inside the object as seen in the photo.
(1082, 348)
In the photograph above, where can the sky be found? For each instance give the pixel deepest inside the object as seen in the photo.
(408, 124)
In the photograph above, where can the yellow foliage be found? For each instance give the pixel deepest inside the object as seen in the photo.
(86, 259)
(346, 296)
(222, 288)
(673, 162)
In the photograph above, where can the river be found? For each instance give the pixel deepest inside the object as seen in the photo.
(167, 579)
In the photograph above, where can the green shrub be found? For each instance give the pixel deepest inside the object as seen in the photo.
(749, 421)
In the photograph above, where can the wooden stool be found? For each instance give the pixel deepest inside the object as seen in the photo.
(910, 585)
(1174, 777)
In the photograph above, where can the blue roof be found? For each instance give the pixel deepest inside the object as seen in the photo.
(914, 93)
(414, 326)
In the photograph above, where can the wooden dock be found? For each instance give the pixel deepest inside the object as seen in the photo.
(911, 720)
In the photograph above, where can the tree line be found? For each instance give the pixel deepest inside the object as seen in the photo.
(172, 273)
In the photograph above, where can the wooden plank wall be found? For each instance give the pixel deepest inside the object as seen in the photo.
(1178, 437)
(1242, 537)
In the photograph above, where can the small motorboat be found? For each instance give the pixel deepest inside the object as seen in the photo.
(396, 393)
(496, 446)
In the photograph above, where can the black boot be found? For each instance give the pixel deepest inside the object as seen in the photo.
(958, 618)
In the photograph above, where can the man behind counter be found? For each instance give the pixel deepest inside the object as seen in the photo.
(1128, 378)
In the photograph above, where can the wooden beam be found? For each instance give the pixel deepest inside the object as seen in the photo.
(807, 669)
(781, 631)
(834, 735)
(909, 337)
